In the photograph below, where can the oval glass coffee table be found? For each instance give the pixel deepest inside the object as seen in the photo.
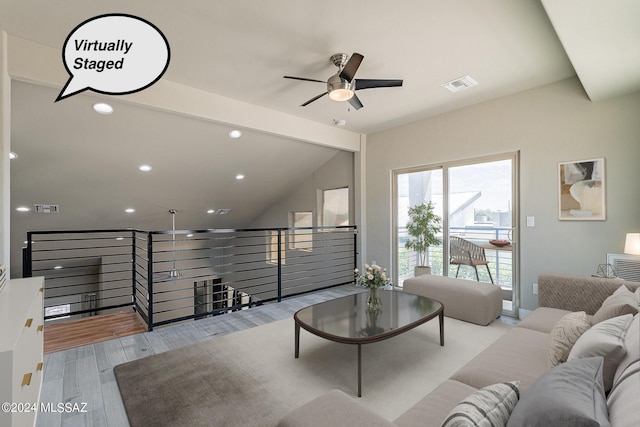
(349, 320)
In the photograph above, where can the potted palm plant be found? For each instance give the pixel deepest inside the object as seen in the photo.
(423, 227)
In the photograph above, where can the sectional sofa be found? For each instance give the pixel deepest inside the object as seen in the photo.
(579, 351)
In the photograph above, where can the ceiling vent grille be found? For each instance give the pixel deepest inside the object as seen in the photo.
(459, 84)
(222, 211)
(47, 209)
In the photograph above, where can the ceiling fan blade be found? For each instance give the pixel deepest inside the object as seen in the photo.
(373, 83)
(355, 102)
(350, 68)
(303, 79)
(313, 99)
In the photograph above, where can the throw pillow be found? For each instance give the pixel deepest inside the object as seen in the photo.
(621, 302)
(570, 394)
(564, 335)
(490, 406)
(604, 339)
(624, 410)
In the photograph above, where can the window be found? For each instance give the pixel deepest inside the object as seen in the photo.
(335, 207)
(301, 239)
(272, 248)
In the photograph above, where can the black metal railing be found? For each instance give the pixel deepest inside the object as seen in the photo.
(172, 276)
(500, 262)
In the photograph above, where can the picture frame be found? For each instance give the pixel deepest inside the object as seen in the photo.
(582, 190)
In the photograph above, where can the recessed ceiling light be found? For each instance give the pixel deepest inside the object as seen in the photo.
(210, 211)
(13, 155)
(235, 134)
(189, 235)
(58, 267)
(239, 176)
(129, 210)
(145, 168)
(22, 209)
(102, 108)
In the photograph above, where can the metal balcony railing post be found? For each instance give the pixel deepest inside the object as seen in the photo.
(279, 265)
(133, 270)
(27, 258)
(150, 281)
(355, 248)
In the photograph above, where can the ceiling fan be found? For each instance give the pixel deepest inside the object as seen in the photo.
(342, 85)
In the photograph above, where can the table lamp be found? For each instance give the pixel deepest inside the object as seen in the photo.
(632, 244)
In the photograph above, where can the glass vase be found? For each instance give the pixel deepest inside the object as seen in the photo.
(374, 300)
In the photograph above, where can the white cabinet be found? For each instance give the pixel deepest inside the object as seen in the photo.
(21, 350)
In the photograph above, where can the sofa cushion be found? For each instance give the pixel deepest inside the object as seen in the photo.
(621, 302)
(433, 408)
(604, 339)
(570, 394)
(543, 319)
(622, 402)
(520, 354)
(334, 408)
(632, 345)
(490, 406)
(564, 335)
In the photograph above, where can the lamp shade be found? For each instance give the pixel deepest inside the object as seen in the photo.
(632, 244)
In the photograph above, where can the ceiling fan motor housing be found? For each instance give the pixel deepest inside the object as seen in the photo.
(339, 89)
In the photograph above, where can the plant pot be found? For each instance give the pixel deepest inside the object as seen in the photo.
(420, 270)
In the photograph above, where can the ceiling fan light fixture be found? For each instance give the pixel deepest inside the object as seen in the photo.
(340, 90)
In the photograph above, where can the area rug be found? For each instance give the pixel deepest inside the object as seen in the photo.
(251, 378)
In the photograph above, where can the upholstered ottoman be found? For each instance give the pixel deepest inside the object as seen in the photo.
(471, 301)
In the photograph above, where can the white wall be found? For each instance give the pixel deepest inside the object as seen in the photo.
(550, 124)
(338, 172)
(5, 146)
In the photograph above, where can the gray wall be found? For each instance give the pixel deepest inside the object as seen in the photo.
(550, 124)
(335, 173)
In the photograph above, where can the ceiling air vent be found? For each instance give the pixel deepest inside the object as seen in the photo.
(459, 84)
(222, 211)
(47, 208)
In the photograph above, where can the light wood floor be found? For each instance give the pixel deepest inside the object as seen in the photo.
(91, 330)
(85, 374)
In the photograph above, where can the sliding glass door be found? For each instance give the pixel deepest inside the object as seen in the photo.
(413, 188)
(477, 201)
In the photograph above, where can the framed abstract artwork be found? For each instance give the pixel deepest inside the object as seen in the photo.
(581, 190)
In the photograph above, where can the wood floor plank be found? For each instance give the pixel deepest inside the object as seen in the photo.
(91, 330)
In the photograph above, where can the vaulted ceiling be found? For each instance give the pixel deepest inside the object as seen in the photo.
(241, 49)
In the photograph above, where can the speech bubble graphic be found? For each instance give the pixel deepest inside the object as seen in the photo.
(114, 54)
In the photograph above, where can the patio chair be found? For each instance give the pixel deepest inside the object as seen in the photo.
(463, 252)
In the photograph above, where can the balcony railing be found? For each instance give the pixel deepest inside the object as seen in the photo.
(172, 276)
(500, 261)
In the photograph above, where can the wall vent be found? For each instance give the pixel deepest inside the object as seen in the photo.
(628, 266)
(459, 84)
(40, 208)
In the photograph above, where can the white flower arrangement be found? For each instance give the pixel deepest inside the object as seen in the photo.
(373, 277)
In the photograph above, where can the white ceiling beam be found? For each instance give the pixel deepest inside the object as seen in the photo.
(35, 63)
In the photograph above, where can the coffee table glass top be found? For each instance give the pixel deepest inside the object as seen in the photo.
(347, 319)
